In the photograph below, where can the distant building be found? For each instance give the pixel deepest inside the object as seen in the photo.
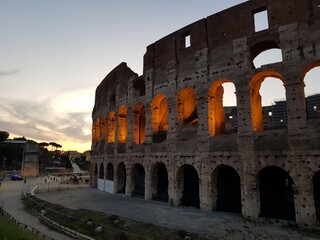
(30, 161)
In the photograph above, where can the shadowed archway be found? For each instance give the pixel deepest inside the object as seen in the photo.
(276, 194)
(189, 184)
(228, 189)
(138, 181)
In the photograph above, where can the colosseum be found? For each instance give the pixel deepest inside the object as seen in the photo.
(167, 136)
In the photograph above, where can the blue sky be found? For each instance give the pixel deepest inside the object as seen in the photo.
(55, 53)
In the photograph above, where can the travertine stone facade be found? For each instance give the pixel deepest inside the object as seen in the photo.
(163, 135)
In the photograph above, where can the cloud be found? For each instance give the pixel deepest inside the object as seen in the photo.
(41, 121)
(10, 72)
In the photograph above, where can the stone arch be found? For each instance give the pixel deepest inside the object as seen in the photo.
(187, 107)
(216, 113)
(121, 178)
(226, 189)
(159, 120)
(311, 92)
(138, 123)
(262, 47)
(188, 186)
(255, 97)
(276, 193)
(111, 127)
(316, 194)
(110, 172)
(159, 182)
(122, 124)
(138, 177)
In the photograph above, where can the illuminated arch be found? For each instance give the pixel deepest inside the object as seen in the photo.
(122, 124)
(111, 127)
(103, 127)
(255, 97)
(187, 107)
(138, 123)
(97, 130)
(159, 120)
(216, 114)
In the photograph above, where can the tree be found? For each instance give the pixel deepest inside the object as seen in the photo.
(43, 144)
(3, 136)
(56, 145)
(20, 138)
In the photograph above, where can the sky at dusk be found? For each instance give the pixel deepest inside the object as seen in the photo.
(55, 53)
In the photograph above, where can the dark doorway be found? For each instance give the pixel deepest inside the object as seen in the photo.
(122, 178)
(229, 190)
(138, 181)
(190, 194)
(161, 181)
(101, 171)
(276, 194)
(316, 194)
(110, 172)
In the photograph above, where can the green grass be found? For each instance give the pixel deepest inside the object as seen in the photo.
(113, 226)
(10, 231)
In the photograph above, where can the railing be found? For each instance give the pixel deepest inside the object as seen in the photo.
(23, 226)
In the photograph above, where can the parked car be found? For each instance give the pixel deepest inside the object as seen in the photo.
(16, 177)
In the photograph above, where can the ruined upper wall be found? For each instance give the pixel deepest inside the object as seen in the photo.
(223, 27)
(120, 75)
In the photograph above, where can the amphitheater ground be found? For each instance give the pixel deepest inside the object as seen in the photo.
(214, 225)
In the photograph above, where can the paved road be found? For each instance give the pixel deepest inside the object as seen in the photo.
(10, 200)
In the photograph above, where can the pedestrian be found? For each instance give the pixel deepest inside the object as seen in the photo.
(25, 181)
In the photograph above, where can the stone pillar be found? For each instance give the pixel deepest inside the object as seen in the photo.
(244, 112)
(171, 134)
(148, 186)
(206, 200)
(304, 202)
(129, 182)
(296, 107)
(148, 132)
(129, 130)
(203, 130)
(171, 187)
(250, 195)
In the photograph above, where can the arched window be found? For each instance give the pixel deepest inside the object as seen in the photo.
(138, 123)
(159, 124)
(265, 52)
(122, 124)
(222, 116)
(277, 114)
(187, 107)
(312, 90)
(111, 127)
